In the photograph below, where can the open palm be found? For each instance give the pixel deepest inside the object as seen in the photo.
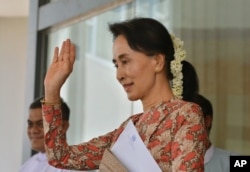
(59, 70)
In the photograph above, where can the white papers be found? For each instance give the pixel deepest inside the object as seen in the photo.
(132, 152)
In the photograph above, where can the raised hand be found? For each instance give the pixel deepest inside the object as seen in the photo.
(59, 70)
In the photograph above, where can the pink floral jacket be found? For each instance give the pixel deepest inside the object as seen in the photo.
(173, 132)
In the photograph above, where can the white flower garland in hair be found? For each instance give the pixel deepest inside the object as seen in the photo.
(176, 66)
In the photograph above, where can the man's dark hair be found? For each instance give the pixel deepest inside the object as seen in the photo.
(65, 109)
(205, 105)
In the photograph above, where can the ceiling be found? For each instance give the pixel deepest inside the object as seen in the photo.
(14, 8)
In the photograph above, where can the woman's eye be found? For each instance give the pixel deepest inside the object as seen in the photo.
(124, 61)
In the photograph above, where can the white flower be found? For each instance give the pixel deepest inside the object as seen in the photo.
(176, 66)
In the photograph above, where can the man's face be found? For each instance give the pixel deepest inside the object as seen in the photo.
(35, 129)
(208, 123)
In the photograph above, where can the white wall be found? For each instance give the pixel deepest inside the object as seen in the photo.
(13, 56)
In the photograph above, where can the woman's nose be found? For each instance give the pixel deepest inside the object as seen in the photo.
(120, 74)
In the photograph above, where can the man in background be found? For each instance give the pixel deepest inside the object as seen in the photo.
(216, 159)
(38, 162)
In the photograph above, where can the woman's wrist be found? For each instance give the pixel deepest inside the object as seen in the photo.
(43, 101)
(52, 96)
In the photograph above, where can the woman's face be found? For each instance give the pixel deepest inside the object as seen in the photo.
(135, 70)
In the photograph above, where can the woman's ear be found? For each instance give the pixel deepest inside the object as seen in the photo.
(159, 62)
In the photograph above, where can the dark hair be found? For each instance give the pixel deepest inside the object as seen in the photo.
(190, 82)
(205, 105)
(65, 109)
(147, 36)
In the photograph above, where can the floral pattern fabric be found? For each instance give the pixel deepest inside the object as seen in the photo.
(173, 132)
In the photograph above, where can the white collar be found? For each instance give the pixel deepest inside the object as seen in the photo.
(41, 156)
(209, 154)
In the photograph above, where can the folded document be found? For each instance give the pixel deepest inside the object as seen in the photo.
(130, 150)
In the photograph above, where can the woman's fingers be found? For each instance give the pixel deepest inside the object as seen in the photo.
(55, 58)
(60, 68)
(72, 53)
(61, 51)
(67, 52)
(67, 47)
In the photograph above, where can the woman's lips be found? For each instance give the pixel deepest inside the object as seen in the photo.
(127, 87)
